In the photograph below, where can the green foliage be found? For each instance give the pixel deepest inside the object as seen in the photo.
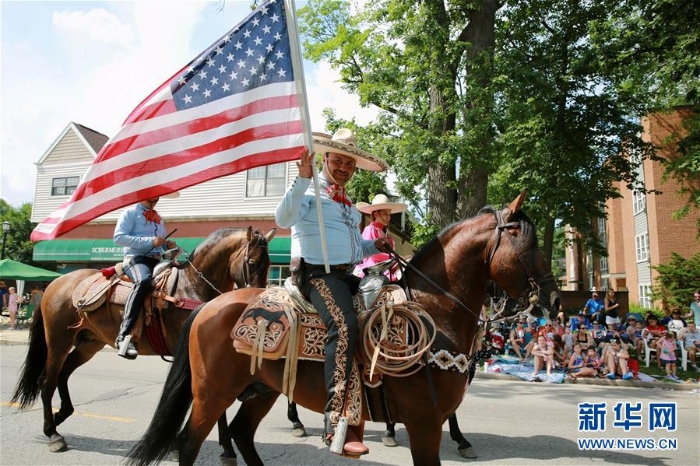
(17, 246)
(677, 281)
(635, 308)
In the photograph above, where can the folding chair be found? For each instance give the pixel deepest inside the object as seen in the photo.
(24, 316)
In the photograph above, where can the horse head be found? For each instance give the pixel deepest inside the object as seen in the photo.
(249, 266)
(516, 264)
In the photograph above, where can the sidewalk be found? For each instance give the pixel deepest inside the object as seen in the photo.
(21, 337)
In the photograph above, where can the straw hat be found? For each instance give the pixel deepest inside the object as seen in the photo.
(381, 202)
(343, 142)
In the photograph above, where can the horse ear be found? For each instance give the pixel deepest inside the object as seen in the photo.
(270, 234)
(250, 233)
(517, 203)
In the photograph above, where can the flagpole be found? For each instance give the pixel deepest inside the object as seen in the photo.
(298, 65)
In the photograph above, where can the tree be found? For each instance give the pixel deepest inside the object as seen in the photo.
(677, 281)
(422, 63)
(18, 246)
(652, 48)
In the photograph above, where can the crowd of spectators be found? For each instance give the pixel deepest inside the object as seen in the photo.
(597, 342)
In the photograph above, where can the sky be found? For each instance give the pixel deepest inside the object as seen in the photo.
(93, 62)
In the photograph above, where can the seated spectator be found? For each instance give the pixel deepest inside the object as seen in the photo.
(675, 323)
(616, 362)
(691, 342)
(543, 355)
(634, 333)
(581, 365)
(666, 350)
(594, 363)
(597, 332)
(593, 308)
(653, 332)
(584, 337)
(568, 338)
(495, 341)
(517, 338)
(561, 354)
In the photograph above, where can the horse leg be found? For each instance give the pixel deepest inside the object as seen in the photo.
(228, 457)
(293, 416)
(246, 422)
(82, 353)
(48, 383)
(463, 446)
(206, 411)
(389, 437)
(424, 436)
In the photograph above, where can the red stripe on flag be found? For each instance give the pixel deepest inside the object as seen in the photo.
(245, 163)
(174, 159)
(196, 125)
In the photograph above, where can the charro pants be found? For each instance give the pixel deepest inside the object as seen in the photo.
(331, 294)
(140, 271)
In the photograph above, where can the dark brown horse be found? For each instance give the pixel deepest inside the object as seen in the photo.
(448, 277)
(62, 339)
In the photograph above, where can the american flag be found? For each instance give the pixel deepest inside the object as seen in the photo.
(232, 108)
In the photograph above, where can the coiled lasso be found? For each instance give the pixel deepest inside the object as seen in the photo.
(392, 358)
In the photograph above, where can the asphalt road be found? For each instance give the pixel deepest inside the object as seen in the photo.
(508, 422)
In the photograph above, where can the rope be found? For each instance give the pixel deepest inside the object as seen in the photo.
(388, 358)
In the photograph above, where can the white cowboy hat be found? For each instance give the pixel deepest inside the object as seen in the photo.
(381, 202)
(172, 195)
(343, 142)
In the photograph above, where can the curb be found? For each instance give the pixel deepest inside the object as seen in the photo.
(602, 382)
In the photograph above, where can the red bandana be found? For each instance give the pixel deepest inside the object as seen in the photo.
(337, 193)
(151, 216)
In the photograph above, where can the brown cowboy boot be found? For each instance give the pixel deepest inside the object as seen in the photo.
(353, 441)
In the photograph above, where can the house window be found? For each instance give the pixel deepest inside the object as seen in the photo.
(638, 202)
(642, 247)
(603, 264)
(266, 181)
(645, 296)
(64, 186)
(277, 275)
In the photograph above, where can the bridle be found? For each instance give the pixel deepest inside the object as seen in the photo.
(259, 243)
(532, 294)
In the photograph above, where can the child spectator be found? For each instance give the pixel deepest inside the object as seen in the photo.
(543, 354)
(494, 338)
(635, 336)
(675, 323)
(568, 338)
(616, 362)
(593, 363)
(561, 354)
(518, 338)
(691, 340)
(666, 350)
(653, 332)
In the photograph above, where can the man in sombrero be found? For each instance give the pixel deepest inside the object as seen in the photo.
(331, 293)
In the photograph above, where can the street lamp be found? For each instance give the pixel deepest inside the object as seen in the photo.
(5, 231)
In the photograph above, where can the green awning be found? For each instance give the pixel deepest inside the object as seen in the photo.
(104, 250)
(280, 250)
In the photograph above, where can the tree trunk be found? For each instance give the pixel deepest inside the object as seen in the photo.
(548, 241)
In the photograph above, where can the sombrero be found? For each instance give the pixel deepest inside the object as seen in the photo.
(343, 142)
(381, 202)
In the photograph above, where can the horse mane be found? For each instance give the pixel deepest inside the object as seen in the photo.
(214, 238)
(524, 241)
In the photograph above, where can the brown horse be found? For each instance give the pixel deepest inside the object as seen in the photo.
(448, 276)
(62, 339)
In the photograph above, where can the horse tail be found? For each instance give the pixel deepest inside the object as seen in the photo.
(172, 408)
(28, 386)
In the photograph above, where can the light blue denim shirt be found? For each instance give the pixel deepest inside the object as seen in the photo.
(297, 210)
(136, 234)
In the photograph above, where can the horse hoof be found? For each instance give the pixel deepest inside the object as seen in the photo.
(227, 461)
(468, 453)
(57, 444)
(298, 429)
(389, 441)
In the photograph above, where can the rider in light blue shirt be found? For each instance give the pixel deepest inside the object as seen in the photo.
(332, 293)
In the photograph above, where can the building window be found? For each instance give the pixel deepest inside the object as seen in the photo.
(638, 202)
(603, 264)
(278, 274)
(64, 186)
(645, 296)
(642, 247)
(266, 181)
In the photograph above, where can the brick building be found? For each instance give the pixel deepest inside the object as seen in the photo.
(640, 231)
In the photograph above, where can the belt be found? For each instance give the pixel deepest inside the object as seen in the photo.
(342, 268)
